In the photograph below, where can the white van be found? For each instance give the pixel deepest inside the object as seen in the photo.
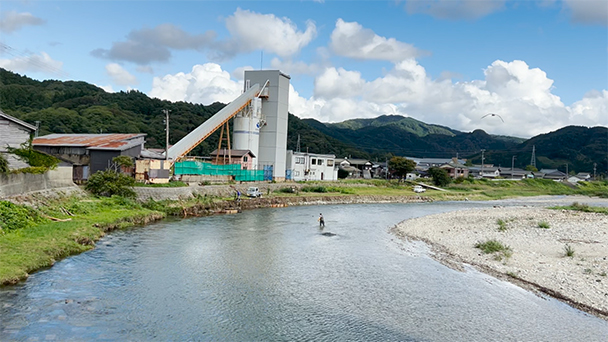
(419, 189)
(254, 191)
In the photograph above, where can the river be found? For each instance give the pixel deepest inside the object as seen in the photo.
(270, 275)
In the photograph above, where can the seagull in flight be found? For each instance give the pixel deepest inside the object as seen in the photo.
(492, 114)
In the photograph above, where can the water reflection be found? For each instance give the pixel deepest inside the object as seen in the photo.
(269, 275)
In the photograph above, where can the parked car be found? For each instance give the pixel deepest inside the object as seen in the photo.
(419, 189)
(254, 191)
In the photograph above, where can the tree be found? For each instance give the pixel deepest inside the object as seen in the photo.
(440, 176)
(3, 165)
(531, 168)
(401, 166)
(111, 182)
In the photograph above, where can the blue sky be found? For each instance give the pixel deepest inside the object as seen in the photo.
(540, 65)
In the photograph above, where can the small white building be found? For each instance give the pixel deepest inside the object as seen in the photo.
(302, 166)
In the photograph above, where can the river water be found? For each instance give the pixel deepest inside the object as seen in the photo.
(270, 275)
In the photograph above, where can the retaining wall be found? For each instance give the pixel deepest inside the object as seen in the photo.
(23, 183)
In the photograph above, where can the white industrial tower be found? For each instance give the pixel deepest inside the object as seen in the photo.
(262, 128)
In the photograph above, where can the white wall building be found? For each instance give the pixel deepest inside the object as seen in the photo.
(302, 166)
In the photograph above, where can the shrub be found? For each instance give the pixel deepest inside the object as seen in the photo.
(544, 224)
(109, 183)
(13, 216)
(320, 189)
(33, 157)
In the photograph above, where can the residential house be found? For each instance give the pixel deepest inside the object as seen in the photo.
(242, 157)
(487, 171)
(304, 166)
(554, 174)
(455, 169)
(585, 176)
(362, 167)
(89, 153)
(13, 133)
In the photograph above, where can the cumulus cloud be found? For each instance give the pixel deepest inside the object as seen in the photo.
(588, 11)
(252, 31)
(12, 21)
(205, 84)
(42, 63)
(334, 83)
(520, 94)
(154, 45)
(350, 39)
(119, 75)
(454, 9)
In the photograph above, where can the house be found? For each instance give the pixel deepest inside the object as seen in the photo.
(357, 168)
(553, 174)
(487, 171)
(304, 166)
(423, 164)
(456, 169)
(13, 133)
(89, 153)
(515, 173)
(241, 157)
(585, 176)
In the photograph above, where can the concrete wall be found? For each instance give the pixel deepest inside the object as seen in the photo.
(22, 183)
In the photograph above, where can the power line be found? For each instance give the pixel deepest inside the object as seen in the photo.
(27, 58)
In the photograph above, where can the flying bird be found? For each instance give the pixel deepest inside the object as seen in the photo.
(492, 114)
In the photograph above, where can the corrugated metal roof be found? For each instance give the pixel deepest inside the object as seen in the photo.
(91, 141)
(17, 121)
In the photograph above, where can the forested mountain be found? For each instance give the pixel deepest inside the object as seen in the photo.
(79, 107)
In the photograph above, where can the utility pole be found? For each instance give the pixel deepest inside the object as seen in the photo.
(566, 170)
(594, 169)
(512, 166)
(482, 159)
(37, 128)
(167, 134)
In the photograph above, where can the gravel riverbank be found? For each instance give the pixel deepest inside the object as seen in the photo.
(538, 258)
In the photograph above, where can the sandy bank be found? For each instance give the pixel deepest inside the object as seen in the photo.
(538, 259)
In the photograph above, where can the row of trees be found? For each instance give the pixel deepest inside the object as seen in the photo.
(401, 166)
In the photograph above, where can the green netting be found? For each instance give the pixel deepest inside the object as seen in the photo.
(208, 169)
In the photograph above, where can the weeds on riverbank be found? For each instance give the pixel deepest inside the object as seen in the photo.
(502, 225)
(575, 206)
(569, 250)
(495, 247)
(544, 225)
(67, 226)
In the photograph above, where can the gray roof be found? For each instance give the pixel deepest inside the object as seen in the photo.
(233, 153)
(17, 121)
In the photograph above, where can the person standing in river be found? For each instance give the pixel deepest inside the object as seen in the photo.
(321, 221)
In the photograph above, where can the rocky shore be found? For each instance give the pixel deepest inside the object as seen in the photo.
(537, 239)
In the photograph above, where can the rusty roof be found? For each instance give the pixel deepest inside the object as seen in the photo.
(110, 141)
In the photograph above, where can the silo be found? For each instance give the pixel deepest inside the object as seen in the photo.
(246, 130)
(273, 133)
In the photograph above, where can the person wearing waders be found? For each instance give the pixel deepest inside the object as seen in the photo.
(321, 221)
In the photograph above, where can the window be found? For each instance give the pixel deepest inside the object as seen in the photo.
(330, 162)
(299, 160)
(313, 161)
(245, 158)
(320, 162)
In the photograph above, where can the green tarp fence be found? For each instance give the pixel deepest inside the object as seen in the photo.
(207, 169)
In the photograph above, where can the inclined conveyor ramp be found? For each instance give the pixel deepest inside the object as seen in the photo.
(194, 138)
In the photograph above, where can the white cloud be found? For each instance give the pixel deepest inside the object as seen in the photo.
(119, 75)
(521, 95)
(12, 21)
(107, 88)
(350, 39)
(205, 84)
(454, 9)
(254, 31)
(42, 63)
(334, 83)
(588, 11)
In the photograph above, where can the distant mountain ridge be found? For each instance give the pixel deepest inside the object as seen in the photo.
(79, 107)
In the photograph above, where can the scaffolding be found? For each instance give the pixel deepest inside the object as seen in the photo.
(191, 167)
